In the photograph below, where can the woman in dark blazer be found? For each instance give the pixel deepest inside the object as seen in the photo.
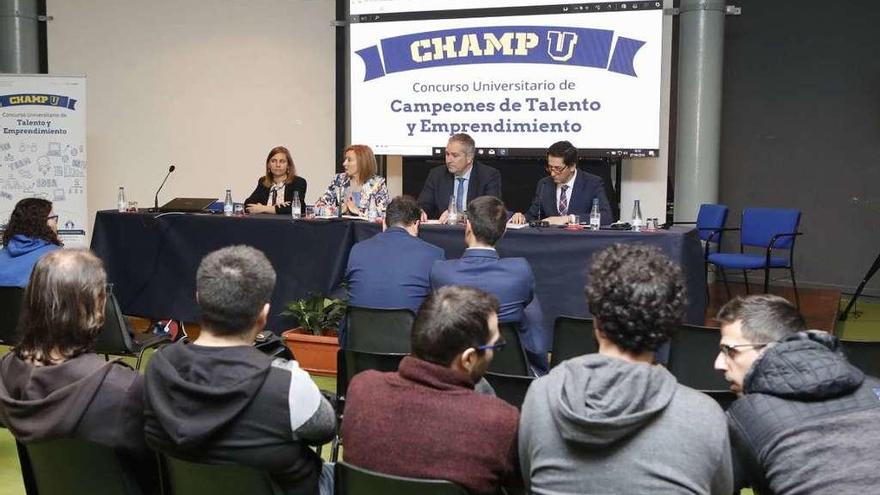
(274, 191)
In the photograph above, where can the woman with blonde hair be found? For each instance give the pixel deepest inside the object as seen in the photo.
(359, 187)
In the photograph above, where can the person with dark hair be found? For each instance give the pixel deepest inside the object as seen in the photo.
(460, 178)
(615, 422)
(425, 420)
(31, 232)
(510, 279)
(807, 421)
(219, 400)
(391, 270)
(566, 191)
(274, 191)
(53, 385)
(359, 187)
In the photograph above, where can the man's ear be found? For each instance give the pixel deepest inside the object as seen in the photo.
(263, 317)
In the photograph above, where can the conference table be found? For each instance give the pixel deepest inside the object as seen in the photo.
(151, 259)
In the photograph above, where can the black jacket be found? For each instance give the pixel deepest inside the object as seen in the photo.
(261, 195)
(434, 199)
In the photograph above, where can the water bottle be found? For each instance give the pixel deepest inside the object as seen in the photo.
(295, 207)
(227, 204)
(120, 200)
(595, 216)
(452, 212)
(637, 222)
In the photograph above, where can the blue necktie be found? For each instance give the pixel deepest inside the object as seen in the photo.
(459, 194)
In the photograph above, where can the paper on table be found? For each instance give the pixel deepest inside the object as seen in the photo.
(517, 226)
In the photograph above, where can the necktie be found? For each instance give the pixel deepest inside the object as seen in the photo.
(459, 194)
(563, 201)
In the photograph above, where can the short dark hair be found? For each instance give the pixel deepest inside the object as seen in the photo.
(466, 140)
(564, 150)
(451, 320)
(63, 306)
(765, 318)
(637, 295)
(29, 218)
(403, 211)
(488, 218)
(233, 285)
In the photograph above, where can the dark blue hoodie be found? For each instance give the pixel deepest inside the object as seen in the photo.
(18, 258)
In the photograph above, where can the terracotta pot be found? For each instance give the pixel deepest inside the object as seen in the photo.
(314, 353)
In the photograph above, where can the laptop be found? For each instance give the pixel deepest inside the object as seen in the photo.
(187, 205)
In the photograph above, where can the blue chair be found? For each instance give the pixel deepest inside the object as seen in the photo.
(767, 228)
(710, 227)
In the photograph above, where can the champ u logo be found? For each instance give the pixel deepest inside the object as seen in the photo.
(53, 100)
(560, 45)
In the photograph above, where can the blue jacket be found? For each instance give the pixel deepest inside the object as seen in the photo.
(391, 270)
(18, 258)
(586, 187)
(509, 279)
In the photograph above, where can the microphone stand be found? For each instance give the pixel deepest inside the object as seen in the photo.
(155, 208)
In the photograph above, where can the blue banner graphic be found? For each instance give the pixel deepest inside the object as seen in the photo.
(37, 99)
(502, 44)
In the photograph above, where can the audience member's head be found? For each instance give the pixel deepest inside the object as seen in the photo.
(33, 218)
(403, 211)
(452, 325)
(459, 153)
(637, 297)
(63, 307)
(486, 220)
(279, 163)
(359, 162)
(233, 287)
(748, 325)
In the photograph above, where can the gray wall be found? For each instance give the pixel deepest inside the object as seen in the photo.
(801, 128)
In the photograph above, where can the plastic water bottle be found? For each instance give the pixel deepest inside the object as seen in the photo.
(227, 204)
(452, 212)
(295, 207)
(637, 221)
(595, 216)
(120, 200)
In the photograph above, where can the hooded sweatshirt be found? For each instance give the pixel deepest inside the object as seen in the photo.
(236, 405)
(17, 259)
(809, 422)
(598, 424)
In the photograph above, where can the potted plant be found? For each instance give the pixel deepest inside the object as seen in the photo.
(314, 342)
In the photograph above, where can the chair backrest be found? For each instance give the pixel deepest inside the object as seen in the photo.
(510, 388)
(511, 359)
(724, 398)
(351, 362)
(378, 330)
(10, 308)
(864, 355)
(352, 480)
(692, 354)
(572, 337)
(70, 465)
(711, 216)
(759, 225)
(193, 478)
(115, 337)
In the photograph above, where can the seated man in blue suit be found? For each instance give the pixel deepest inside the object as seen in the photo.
(567, 191)
(391, 270)
(509, 279)
(460, 178)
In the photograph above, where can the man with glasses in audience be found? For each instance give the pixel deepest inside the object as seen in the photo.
(425, 420)
(807, 420)
(567, 191)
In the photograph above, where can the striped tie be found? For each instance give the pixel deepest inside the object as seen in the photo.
(563, 201)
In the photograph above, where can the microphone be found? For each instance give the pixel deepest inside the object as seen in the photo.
(156, 199)
(539, 193)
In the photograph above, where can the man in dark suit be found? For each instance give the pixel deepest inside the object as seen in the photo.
(567, 191)
(509, 279)
(460, 178)
(391, 270)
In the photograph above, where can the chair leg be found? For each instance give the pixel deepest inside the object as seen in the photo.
(746, 278)
(797, 298)
(706, 278)
(767, 279)
(724, 278)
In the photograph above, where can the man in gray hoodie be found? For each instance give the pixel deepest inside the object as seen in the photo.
(614, 422)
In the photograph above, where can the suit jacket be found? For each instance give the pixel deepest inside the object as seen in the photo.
(391, 270)
(261, 195)
(580, 200)
(509, 279)
(434, 199)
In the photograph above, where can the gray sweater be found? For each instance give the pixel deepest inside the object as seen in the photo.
(598, 424)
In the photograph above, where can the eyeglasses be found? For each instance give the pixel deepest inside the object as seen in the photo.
(731, 350)
(52, 217)
(555, 170)
(500, 343)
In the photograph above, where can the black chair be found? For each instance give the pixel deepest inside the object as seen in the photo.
(572, 337)
(511, 359)
(192, 478)
(510, 388)
(724, 398)
(378, 330)
(10, 308)
(864, 355)
(69, 465)
(692, 354)
(352, 480)
(115, 337)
